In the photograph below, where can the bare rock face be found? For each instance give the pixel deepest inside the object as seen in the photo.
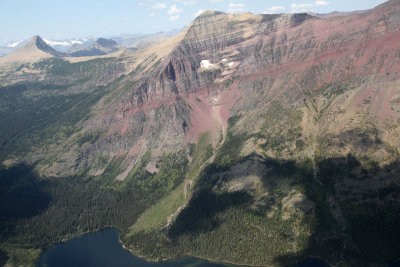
(297, 204)
(339, 71)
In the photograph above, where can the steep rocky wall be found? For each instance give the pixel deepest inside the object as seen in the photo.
(252, 60)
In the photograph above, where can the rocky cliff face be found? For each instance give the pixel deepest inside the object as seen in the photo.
(340, 71)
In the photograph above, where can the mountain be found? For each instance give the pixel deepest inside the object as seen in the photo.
(139, 41)
(101, 46)
(37, 42)
(35, 49)
(88, 47)
(249, 139)
(339, 14)
(59, 45)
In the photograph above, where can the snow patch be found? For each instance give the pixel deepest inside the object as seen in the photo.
(206, 64)
(224, 60)
(77, 41)
(14, 44)
(230, 64)
(62, 43)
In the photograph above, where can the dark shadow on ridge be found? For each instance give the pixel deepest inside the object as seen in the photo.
(3, 258)
(201, 214)
(369, 214)
(311, 262)
(21, 196)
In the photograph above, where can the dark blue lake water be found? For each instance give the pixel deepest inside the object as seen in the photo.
(102, 249)
(395, 263)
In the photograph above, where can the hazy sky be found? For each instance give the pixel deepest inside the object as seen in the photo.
(55, 19)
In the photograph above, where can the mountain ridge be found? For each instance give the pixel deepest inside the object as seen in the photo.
(181, 83)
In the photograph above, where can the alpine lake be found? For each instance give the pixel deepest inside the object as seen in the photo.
(103, 249)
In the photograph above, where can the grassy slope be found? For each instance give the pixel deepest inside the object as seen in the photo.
(156, 217)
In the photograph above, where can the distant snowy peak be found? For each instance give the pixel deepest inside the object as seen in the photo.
(91, 45)
(11, 46)
(14, 44)
(64, 45)
(65, 42)
(60, 45)
(99, 46)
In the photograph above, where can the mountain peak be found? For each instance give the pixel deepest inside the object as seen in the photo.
(102, 46)
(36, 41)
(35, 49)
(389, 6)
(35, 38)
(210, 13)
(106, 42)
(39, 43)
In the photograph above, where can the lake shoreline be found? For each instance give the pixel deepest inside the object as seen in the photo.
(199, 258)
(186, 255)
(148, 259)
